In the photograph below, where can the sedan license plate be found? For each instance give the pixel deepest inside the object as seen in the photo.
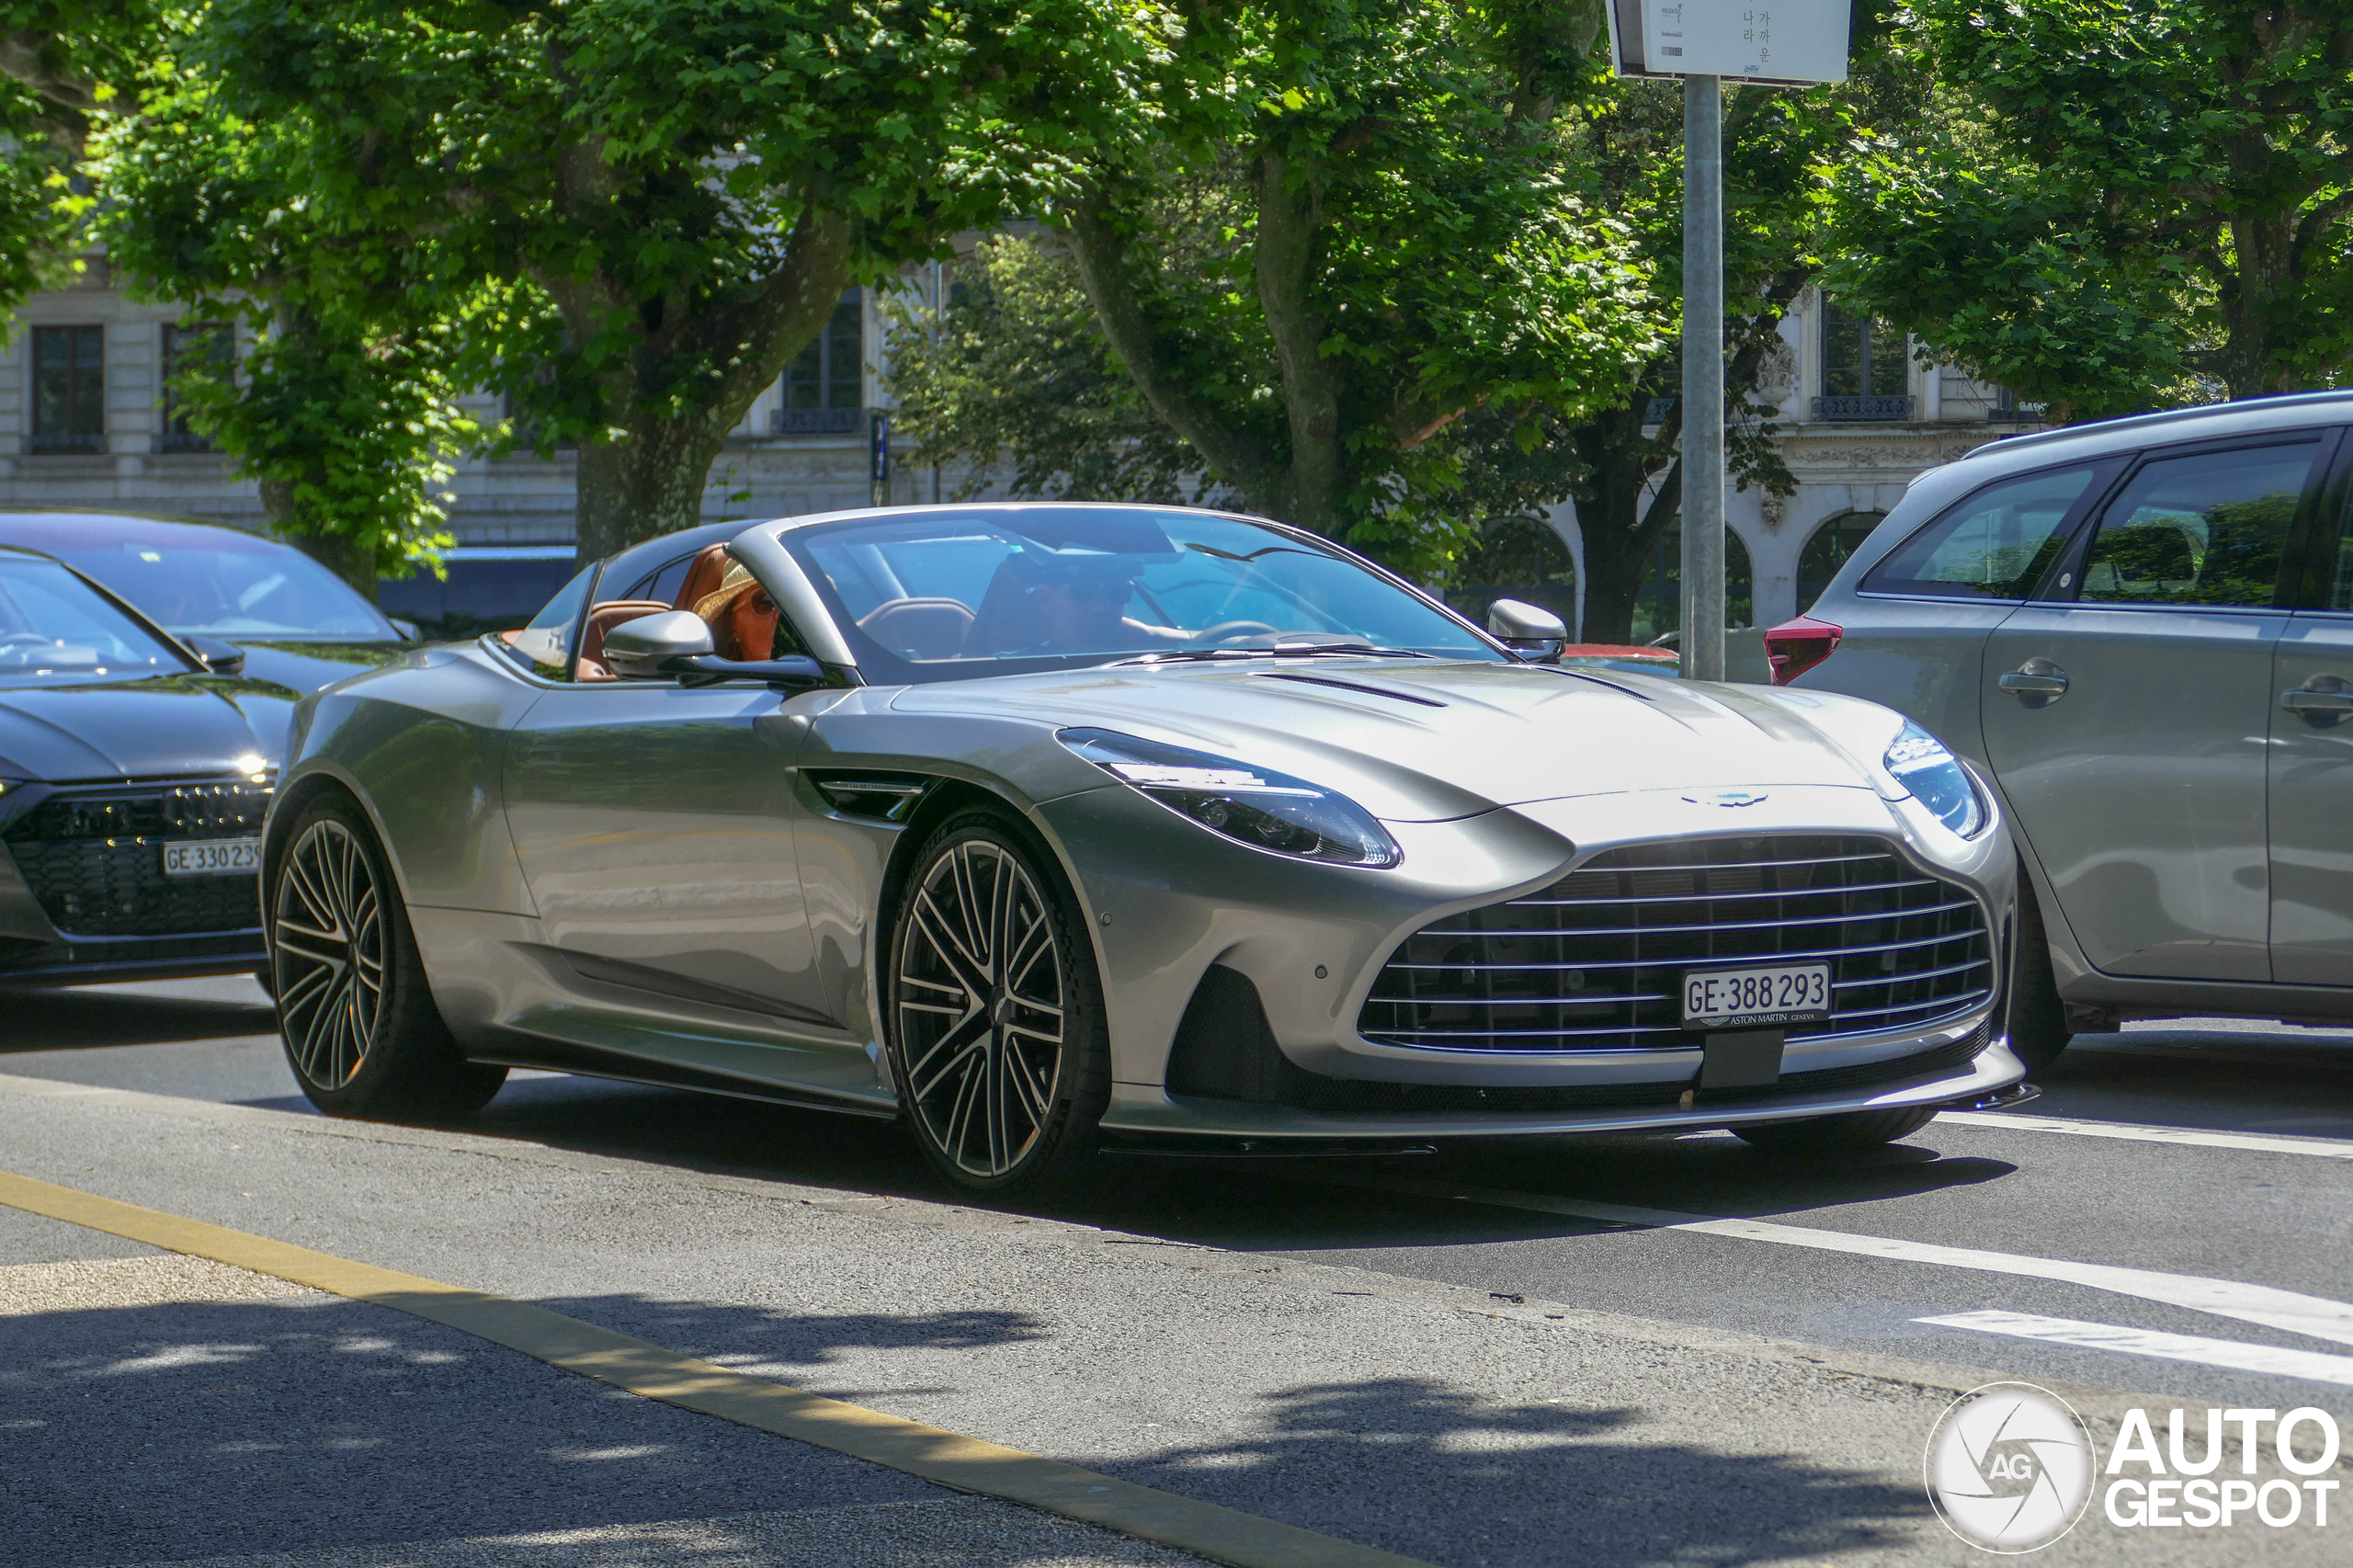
(212, 857)
(1760, 996)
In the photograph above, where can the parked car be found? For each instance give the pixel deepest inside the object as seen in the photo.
(300, 624)
(135, 769)
(1046, 825)
(2142, 631)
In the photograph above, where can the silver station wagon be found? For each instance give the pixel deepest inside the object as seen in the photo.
(2143, 630)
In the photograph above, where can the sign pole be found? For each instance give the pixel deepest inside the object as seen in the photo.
(1703, 378)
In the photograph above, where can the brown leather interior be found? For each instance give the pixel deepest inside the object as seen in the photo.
(920, 629)
(703, 577)
(601, 619)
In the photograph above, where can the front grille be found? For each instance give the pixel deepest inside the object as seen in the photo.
(94, 861)
(1596, 961)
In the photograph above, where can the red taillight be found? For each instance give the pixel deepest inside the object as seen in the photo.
(1796, 646)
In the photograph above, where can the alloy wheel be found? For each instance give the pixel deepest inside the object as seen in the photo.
(327, 948)
(980, 1001)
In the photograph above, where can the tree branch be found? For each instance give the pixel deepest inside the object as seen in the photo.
(1100, 253)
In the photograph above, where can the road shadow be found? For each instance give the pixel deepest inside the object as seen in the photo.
(179, 1432)
(2293, 1081)
(83, 1020)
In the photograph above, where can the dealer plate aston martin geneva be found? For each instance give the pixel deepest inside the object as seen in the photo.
(1044, 827)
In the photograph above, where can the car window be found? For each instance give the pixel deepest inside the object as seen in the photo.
(53, 624)
(663, 582)
(950, 596)
(1993, 545)
(2204, 529)
(546, 643)
(248, 588)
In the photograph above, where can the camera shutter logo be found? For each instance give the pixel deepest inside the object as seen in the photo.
(2009, 1468)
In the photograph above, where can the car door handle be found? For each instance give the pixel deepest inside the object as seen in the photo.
(2317, 699)
(2035, 683)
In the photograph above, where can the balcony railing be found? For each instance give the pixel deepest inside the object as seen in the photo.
(47, 441)
(2019, 413)
(1656, 411)
(183, 441)
(1876, 407)
(820, 421)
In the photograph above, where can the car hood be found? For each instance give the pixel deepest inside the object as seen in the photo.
(304, 667)
(1429, 740)
(148, 728)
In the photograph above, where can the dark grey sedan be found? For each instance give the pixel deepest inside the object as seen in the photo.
(134, 775)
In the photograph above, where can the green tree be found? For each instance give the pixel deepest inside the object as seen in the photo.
(1011, 375)
(2120, 204)
(1353, 226)
(65, 70)
(639, 211)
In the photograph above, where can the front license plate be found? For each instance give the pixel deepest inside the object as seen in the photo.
(1758, 997)
(212, 857)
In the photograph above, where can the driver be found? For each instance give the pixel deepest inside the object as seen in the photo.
(741, 617)
(1077, 604)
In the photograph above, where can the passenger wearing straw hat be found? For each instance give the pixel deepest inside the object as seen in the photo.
(741, 617)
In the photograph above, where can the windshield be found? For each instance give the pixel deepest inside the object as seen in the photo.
(950, 596)
(51, 624)
(235, 587)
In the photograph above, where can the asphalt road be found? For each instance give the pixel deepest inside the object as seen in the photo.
(1522, 1354)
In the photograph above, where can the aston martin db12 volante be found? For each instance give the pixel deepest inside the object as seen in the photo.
(1046, 827)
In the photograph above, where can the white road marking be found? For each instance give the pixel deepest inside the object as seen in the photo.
(2316, 1316)
(2309, 1365)
(2263, 1142)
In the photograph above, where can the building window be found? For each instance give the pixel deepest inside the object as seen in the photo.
(69, 389)
(207, 344)
(1827, 550)
(1863, 369)
(823, 388)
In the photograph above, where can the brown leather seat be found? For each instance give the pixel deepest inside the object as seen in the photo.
(601, 619)
(920, 629)
(703, 577)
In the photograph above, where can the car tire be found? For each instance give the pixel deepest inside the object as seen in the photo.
(1830, 1134)
(355, 1013)
(993, 1012)
(2039, 1030)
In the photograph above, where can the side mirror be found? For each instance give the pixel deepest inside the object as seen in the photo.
(407, 629)
(677, 645)
(1534, 633)
(220, 658)
(656, 647)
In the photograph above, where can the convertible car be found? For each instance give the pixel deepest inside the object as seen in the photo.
(1048, 826)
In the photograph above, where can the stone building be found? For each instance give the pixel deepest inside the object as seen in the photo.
(85, 421)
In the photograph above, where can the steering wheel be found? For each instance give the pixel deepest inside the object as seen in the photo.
(32, 638)
(1230, 630)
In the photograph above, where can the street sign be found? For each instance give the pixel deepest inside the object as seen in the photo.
(1781, 43)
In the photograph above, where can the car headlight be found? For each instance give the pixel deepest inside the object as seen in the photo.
(1919, 762)
(1251, 805)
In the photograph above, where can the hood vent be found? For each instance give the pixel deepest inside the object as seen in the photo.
(1350, 686)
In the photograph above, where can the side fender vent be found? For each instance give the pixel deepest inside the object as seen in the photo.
(886, 797)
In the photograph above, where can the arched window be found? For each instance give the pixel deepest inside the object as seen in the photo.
(1659, 610)
(1827, 549)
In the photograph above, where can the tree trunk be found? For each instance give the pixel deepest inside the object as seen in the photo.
(345, 557)
(1624, 533)
(646, 484)
(2249, 361)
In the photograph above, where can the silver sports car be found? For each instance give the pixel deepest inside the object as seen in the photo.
(1044, 827)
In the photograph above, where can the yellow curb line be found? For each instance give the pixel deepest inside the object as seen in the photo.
(949, 1459)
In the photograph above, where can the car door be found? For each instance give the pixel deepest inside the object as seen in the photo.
(654, 825)
(2312, 761)
(2128, 718)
